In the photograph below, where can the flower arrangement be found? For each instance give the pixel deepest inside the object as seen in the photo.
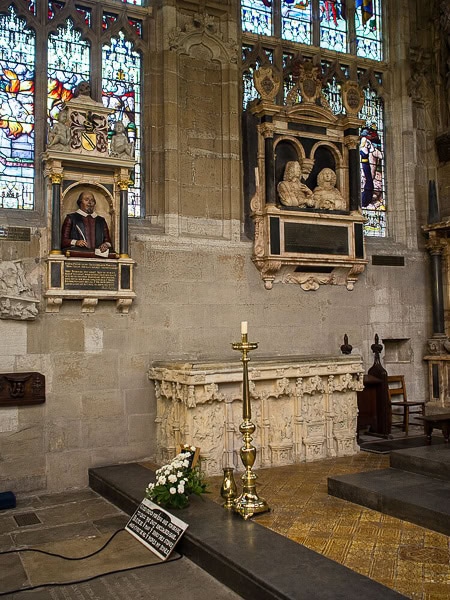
(176, 481)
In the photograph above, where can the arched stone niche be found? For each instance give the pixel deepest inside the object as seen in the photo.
(105, 204)
(314, 235)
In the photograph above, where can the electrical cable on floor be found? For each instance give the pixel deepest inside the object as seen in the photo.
(77, 581)
(61, 555)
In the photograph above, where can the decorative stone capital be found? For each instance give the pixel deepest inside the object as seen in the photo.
(124, 184)
(436, 246)
(266, 130)
(351, 142)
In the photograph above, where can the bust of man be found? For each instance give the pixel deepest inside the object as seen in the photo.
(85, 230)
(326, 195)
(291, 190)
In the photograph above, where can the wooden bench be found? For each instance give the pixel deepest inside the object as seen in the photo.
(438, 421)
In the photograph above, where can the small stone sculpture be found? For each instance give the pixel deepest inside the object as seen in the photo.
(326, 195)
(59, 134)
(120, 146)
(291, 190)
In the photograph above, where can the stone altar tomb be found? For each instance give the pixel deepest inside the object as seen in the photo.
(304, 409)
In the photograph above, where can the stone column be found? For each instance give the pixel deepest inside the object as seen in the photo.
(354, 176)
(269, 162)
(123, 238)
(435, 247)
(56, 179)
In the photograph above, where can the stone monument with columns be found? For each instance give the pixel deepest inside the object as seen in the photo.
(80, 159)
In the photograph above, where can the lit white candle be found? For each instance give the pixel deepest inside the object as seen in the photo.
(244, 327)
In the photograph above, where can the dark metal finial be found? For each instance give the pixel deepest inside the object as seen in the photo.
(377, 348)
(346, 348)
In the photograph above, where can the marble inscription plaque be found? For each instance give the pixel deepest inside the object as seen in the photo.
(93, 275)
(156, 528)
(315, 239)
(15, 234)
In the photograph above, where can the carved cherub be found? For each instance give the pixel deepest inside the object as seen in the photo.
(59, 134)
(120, 146)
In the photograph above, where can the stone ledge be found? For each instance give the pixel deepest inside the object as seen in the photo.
(248, 558)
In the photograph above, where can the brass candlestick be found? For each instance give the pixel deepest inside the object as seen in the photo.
(248, 503)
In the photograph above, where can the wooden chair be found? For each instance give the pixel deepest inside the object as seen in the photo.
(397, 397)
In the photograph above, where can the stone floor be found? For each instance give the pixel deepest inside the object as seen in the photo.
(404, 557)
(76, 524)
(407, 558)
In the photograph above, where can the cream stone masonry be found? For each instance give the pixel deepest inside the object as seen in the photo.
(304, 409)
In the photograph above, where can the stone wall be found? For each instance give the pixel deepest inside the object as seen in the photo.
(191, 297)
(195, 281)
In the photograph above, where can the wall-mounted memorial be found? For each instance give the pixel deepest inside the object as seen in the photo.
(306, 205)
(88, 166)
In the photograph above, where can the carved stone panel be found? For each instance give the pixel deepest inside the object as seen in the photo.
(304, 409)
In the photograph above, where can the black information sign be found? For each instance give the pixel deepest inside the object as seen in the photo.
(15, 234)
(315, 239)
(95, 275)
(156, 528)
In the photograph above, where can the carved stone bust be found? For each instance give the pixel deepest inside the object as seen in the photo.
(326, 194)
(291, 190)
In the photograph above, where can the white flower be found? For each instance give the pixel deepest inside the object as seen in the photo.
(172, 490)
(193, 448)
(172, 478)
(150, 487)
(179, 474)
(180, 489)
(185, 463)
(161, 480)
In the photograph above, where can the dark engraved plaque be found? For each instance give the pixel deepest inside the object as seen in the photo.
(15, 234)
(274, 235)
(388, 261)
(306, 238)
(55, 275)
(125, 277)
(308, 128)
(22, 388)
(93, 275)
(359, 240)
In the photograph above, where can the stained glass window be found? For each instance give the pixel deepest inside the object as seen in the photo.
(368, 29)
(17, 88)
(333, 25)
(121, 83)
(333, 94)
(75, 47)
(256, 17)
(371, 152)
(296, 21)
(68, 64)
